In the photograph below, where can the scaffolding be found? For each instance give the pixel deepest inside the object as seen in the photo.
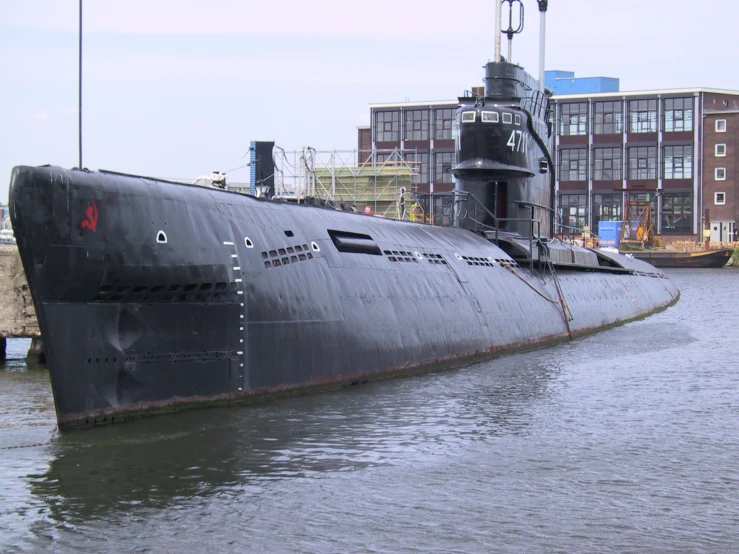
(382, 182)
(638, 226)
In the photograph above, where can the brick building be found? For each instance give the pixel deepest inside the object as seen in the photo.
(676, 149)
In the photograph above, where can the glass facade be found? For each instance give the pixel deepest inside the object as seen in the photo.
(678, 115)
(382, 159)
(677, 162)
(419, 163)
(643, 197)
(443, 164)
(573, 164)
(416, 124)
(444, 124)
(643, 116)
(677, 213)
(607, 164)
(643, 162)
(573, 210)
(387, 126)
(574, 119)
(608, 119)
(607, 207)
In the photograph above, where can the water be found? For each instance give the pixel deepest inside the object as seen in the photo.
(622, 442)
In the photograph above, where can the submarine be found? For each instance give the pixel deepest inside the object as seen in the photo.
(154, 296)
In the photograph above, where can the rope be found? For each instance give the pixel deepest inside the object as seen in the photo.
(235, 168)
(563, 302)
(537, 291)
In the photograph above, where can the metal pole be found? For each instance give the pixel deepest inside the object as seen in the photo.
(498, 27)
(542, 36)
(80, 89)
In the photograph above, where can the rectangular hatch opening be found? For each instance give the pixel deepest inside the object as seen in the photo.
(355, 243)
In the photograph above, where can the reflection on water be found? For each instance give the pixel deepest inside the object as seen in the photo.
(155, 462)
(606, 443)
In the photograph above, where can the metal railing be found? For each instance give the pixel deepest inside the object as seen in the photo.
(570, 234)
(463, 209)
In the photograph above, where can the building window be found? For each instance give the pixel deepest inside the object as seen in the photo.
(720, 125)
(720, 174)
(643, 162)
(386, 126)
(639, 201)
(678, 114)
(386, 159)
(607, 164)
(635, 211)
(573, 164)
(677, 213)
(419, 164)
(444, 162)
(719, 198)
(572, 211)
(574, 119)
(608, 118)
(444, 124)
(606, 207)
(720, 150)
(381, 159)
(678, 162)
(417, 125)
(642, 116)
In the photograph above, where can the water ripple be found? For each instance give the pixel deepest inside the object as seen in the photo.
(621, 442)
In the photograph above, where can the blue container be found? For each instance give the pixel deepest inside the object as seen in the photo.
(609, 233)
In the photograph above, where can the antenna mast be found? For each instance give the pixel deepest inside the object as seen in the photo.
(498, 27)
(80, 89)
(510, 31)
(543, 4)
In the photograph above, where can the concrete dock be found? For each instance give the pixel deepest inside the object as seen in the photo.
(17, 314)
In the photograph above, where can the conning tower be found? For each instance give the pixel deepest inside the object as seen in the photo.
(503, 142)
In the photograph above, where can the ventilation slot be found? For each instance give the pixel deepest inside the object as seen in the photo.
(355, 243)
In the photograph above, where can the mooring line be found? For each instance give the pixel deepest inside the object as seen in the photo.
(537, 291)
(562, 302)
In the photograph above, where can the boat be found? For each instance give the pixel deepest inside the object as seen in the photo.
(154, 296)
(6, 236)
(679, 258)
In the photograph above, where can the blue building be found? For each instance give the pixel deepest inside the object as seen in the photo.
(565, 82)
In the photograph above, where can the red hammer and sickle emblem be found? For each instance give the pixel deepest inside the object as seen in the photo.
(92, 218)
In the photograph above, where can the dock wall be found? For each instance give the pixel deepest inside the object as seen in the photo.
(17, 314)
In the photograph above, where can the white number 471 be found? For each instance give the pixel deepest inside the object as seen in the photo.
(517, 141)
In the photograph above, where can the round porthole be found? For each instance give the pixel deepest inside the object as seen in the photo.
(457, 256)
(418, 256)
(248, 242)
(162, 237)
(314, 246)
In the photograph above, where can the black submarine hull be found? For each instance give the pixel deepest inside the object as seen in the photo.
(154, 296)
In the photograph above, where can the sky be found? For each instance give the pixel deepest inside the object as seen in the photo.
(178, 88)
